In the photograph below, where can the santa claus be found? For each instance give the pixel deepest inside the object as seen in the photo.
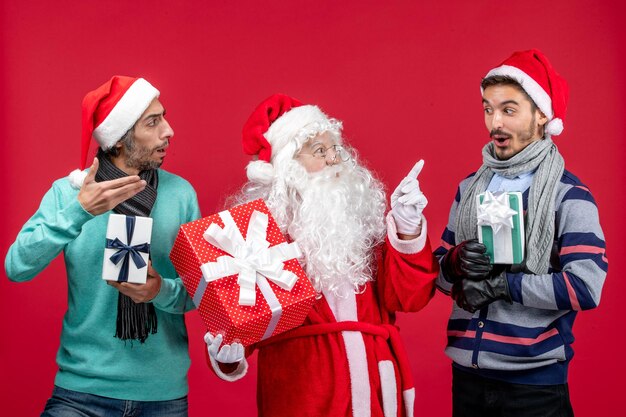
(347, 358)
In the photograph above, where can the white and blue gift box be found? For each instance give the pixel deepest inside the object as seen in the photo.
(127, 249)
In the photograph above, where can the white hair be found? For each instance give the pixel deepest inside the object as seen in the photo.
(336, 216)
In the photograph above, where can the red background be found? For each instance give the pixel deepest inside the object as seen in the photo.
(404, 78)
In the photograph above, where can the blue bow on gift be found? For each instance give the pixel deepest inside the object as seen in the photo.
(126, 251)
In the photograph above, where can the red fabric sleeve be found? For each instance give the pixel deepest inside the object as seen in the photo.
(407, 281)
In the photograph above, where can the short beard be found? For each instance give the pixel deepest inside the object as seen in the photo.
(337, 218)
(138, 157)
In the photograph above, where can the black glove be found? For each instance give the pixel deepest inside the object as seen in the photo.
(474, 295)
(467, 260)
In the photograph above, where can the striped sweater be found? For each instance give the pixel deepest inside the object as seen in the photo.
(529, 341)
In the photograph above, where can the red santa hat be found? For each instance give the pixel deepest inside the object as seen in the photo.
(109, 112)
(532, 70)
(277, 129)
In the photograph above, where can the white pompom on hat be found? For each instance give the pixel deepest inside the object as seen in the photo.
(109, 112)
(549, 90)
(276, 130)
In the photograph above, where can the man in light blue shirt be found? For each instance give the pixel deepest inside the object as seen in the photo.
(142, 370)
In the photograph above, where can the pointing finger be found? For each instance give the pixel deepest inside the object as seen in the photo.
(411, 185)
(416, 169)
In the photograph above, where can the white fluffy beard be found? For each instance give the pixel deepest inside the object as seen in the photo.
(337, 218)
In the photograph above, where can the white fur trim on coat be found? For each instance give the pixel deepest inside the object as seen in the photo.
(345, 309)
(408, 396)
(240, 372)
(359, 374)
(125, 113)
(407, 247)
(388, 387)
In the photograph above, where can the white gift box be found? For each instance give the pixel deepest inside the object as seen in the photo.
(126, 261)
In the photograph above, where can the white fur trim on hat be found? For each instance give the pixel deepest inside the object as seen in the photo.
(554, 127)
(76, 178)
(260, 172)
(292, 125)
(533, 89)
(125, 113)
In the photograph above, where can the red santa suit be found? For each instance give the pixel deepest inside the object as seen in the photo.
(347, 358)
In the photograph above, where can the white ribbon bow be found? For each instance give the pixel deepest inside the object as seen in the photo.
(494, 211)
(249, 257)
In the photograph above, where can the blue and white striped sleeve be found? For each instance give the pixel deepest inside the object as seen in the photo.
(577, 284)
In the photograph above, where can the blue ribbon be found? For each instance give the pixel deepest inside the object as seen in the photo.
(125, 252)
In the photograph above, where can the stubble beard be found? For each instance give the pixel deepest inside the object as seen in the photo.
(140, 157)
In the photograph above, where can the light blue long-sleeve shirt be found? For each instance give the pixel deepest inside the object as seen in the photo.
(519, 183)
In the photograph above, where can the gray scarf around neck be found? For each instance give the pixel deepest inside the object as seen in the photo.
(541, 155)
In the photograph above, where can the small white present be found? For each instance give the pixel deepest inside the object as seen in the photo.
(127, 249)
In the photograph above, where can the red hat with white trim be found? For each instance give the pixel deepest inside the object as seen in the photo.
(109, 112)
(532, 70)
(277, 129)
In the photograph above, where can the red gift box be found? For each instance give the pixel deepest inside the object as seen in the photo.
(246, 283)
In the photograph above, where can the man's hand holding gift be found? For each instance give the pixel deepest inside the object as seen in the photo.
(476, 282)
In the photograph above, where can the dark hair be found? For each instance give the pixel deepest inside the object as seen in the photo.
(507, 80)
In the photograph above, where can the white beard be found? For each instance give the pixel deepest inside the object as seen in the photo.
(337, 218)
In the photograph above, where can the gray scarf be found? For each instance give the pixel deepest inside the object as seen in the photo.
(541, 155)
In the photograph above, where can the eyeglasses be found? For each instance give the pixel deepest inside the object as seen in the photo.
(338, 153)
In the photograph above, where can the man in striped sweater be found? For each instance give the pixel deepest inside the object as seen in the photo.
(510, 331)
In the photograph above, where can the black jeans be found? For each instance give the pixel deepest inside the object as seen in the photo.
(475, 396)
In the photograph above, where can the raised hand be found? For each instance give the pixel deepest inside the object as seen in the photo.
(100, 197)
(408, 202)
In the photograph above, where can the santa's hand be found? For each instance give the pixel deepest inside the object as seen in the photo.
(226, 354)
(408, 202)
